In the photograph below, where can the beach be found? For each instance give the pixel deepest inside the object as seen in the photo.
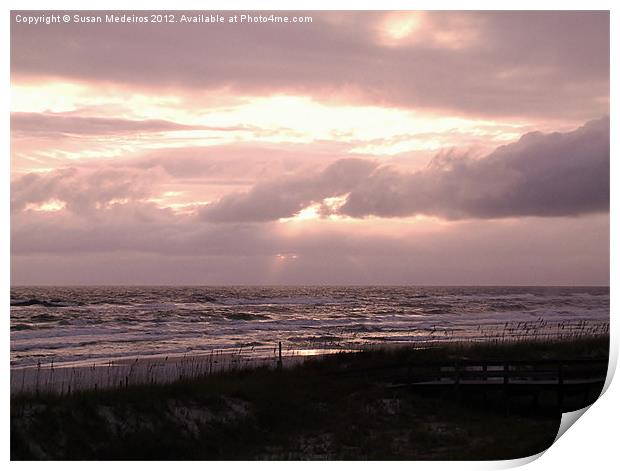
(354, 405)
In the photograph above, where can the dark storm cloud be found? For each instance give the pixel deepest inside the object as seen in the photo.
(558, 174)
(519, 63)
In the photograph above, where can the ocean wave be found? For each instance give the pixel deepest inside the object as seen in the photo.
(25, 327)
(108, 322)
(315, 339)
(41, 302)
(246, 316)
(44, 318)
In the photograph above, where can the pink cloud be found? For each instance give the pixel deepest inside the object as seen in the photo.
(522, 63)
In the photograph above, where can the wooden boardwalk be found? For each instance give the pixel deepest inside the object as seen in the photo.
(564, 385)
(509, 372)
(564, 378)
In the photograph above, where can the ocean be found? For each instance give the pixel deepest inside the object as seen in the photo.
(87, 325)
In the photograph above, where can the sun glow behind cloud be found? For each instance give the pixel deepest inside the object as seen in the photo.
(399, 25)
(49, 206)
(133, 152)
(412, 28)
(338, 128)
(275, 119)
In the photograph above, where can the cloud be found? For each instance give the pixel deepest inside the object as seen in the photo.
(81, 190)
(539, 175)
(286, 196)
(248, 162)
(168, 176)
(557, 174)
(67, 123)
(486, 63)
(95, 240)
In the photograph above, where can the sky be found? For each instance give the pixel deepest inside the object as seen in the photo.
(426, 148)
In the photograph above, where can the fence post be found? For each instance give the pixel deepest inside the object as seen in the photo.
(506, 380)
(457, 380)
(560, 386)
(279, 355)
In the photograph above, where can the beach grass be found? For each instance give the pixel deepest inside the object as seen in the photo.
(340, 406)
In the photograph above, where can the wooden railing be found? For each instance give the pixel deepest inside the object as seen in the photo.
(570, 371)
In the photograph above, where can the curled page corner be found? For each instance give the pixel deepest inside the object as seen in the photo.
(568, 419)
(517, 462)
(566, 422)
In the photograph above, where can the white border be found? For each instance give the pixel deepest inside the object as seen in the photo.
(590, 444)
